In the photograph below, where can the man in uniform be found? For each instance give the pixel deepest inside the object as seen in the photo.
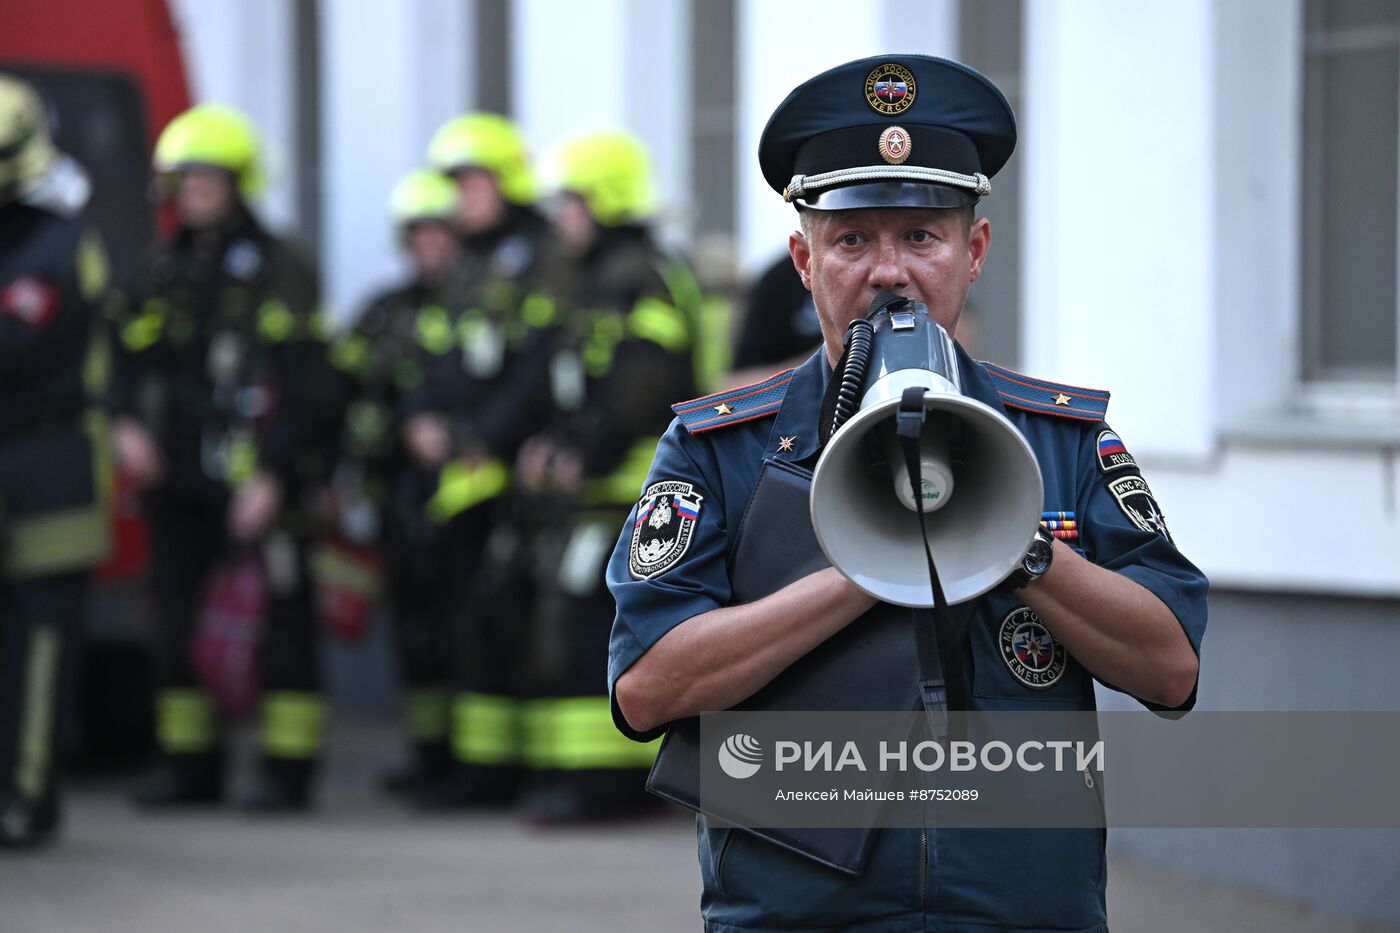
(623, 348)
(484, 389)
(381, 495)
(220, 357)
(779, 327)
(885, 159)
(54, 484)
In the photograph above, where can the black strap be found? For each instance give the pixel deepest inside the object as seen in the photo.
(943, 688)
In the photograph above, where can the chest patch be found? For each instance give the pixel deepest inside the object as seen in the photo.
(1135, 499)
(30, 300)
(1034, 656)
(665, 525)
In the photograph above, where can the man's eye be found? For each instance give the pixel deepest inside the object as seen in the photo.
(920, 236)
(850, 239)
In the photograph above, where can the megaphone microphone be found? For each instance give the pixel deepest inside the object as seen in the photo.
(980, 491)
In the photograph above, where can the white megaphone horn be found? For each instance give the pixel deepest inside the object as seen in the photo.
(982, 492)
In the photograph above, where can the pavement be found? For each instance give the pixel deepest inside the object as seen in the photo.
(362, 864)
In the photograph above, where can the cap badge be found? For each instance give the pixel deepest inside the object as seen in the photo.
(895, 145)
(890, 89)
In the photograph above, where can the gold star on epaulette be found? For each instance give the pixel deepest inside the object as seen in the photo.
(1062, 399)
(723, 409)
(785, 443)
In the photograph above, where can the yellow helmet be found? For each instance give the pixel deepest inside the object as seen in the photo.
(422, 195)
(26, 151)
(486, 141)
(611, 171)
(211, 134)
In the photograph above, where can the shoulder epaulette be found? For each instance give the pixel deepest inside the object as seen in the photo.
(734, 406)
(1045, 397)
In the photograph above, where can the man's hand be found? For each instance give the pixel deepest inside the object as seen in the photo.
(544, 465)
(1117, 628)
(427, 439)
(137, 453)
(254, 507)
(532, 463)
(722, 657)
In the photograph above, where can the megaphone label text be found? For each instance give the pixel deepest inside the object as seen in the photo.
(1135, 499)
(1113, 455)
(665, 523)
(1034, 656)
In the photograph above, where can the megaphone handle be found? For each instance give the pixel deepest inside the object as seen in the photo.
(943, 686)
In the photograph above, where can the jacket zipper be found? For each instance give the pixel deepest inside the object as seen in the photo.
(923, 875)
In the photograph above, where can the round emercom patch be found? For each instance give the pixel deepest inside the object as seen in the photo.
(1034, 656)
(665, 524)
(890, 89)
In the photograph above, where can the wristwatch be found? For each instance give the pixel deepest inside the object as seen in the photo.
(1035, 562)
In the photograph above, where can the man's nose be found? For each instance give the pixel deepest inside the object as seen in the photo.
(888, 272)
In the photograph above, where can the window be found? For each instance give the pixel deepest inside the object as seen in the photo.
(1351, 122)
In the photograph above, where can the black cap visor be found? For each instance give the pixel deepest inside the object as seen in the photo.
(887, 194)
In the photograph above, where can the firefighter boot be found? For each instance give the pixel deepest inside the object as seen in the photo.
(431, 762)
(183, 781)
(283, 786)
(471, 787)
(26, 823)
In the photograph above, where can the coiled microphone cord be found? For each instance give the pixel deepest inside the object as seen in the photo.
(860, 337)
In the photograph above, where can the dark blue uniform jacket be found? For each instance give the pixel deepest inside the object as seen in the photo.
(928, 878)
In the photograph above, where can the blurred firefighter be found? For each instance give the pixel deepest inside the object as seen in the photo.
(623, 353)
(54, 479)
(381, 494)
(219, 350)
(484, 389)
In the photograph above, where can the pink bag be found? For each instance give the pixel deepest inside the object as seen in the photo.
(229, 629)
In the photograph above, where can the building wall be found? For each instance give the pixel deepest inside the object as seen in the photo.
(392, 73)
(1267, 651)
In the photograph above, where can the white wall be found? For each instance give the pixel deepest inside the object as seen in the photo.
(1259, 121)
(607, 64)
(239, 53)
(782, 44)
(391, 74)
(1118, 157)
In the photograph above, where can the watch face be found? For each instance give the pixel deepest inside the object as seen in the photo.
(1038, 557)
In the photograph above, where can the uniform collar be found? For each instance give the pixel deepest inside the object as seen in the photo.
(976, 384)
(797, 422)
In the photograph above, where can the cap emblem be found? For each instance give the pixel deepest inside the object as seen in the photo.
(895, 145)
(890, 89)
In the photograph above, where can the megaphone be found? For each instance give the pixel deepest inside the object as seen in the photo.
(981, 493)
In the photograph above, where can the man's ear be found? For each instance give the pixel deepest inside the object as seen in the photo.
(801, 252)
(979, 240)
